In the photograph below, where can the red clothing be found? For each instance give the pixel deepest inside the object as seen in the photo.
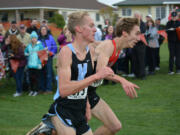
(114, 57)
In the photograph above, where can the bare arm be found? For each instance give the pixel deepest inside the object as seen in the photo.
(104, 54)
(68, 87)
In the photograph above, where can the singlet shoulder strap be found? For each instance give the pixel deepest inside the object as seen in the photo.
(87, 48)
(114, 52)
(114, 57)
(71, 48)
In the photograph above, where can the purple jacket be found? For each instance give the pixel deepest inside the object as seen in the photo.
(109, 37)
(62, 40)
(49, 42)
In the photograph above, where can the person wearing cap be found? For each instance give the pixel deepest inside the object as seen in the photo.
(173, 43)
(13, 29)
(148, 17)
(23, 36)
(34, 64)
(25, 39)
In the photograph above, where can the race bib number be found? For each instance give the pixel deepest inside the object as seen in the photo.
(82, 70)
(80, 95)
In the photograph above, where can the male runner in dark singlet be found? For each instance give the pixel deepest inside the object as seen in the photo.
(74, 67)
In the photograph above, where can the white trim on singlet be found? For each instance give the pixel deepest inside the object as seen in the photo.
(73, 50)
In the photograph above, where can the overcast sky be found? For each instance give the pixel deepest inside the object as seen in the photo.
(110, 2)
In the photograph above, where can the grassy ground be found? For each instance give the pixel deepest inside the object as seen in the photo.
(155, 112)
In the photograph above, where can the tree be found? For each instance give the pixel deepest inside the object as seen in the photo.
(108, 14)
(115, 18)
(58, 19)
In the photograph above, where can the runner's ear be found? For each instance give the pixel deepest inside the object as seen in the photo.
(124, 33)
(78, 29)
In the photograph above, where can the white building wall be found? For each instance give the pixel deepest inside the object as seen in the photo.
(92, 13)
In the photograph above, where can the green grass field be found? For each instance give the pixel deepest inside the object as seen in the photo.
(155, 112)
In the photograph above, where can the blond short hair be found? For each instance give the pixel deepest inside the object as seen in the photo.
(75, 19)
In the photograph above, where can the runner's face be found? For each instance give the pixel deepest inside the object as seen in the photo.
(134, 36)
(88, 29)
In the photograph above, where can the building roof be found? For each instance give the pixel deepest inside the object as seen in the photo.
(146, 2)
(28, 4)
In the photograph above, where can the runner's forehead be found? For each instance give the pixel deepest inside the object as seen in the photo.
(136, 29)
(88, 20)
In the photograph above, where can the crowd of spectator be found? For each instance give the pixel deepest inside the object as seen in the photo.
(20, 45)
(144, 58)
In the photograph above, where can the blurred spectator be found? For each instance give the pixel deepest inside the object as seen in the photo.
(173, 43)
(45, 23)
(160, 40)
(23, 36)
(160, 27)
(107, 22)
(5, 50)
(49, 43)
(109, 36)
(110, 33)
(33, 27)
(172, 10)
(98, 34)
(65, 37)
(2, 66)
(178, 14)
(2, 30)
(139, 51)
(2, 35)
(148, 17)
(153, 44)
(15, 52)
(34, 64)
(128, 63)
(13, 30)
(104, 32)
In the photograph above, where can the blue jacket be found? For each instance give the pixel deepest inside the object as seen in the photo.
(49, 42)
(33, 59)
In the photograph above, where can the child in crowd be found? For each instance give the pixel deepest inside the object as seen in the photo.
(34, 63)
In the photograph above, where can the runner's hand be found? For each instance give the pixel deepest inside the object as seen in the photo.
(104, 72)
(129, 88)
